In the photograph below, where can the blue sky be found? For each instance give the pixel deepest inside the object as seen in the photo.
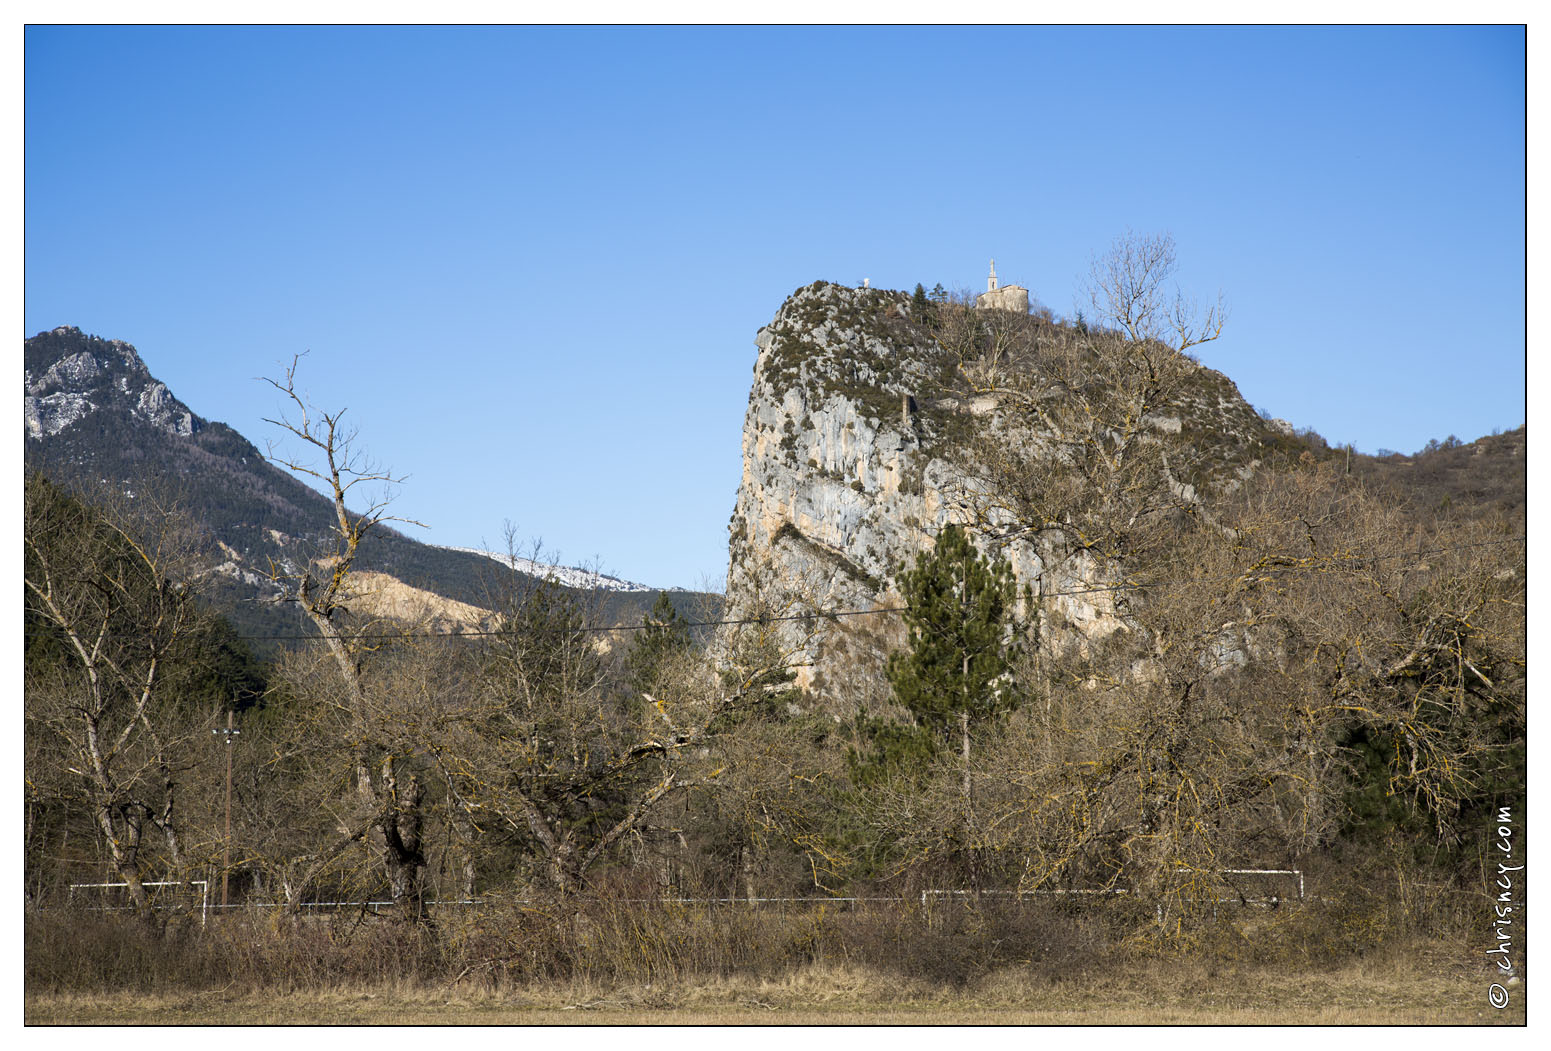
(532, 261)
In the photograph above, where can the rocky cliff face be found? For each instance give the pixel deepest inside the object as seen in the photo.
(106, 374)
(858, 447)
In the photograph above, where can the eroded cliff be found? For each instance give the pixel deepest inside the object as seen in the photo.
(868, 430)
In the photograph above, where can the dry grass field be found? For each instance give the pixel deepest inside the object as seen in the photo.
(1419, 988)
(1332, 962)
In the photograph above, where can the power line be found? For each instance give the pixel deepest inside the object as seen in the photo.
(1309, 564)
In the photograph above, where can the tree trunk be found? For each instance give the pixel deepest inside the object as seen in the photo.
(969, 820)
(399, 839)
(964, 738)
(124, 852)
(746, 859)
(463, 834)
(562, 865)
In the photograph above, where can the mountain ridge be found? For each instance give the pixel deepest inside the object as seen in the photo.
(96, 417)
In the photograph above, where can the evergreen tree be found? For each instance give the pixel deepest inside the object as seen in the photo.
(960, 608)
(938, 293)
(953, 678)
(664, 635)
(919, 304)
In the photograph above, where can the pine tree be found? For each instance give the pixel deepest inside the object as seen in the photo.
(954, 677)
(960, 608)
(919, 304)
(664, 635)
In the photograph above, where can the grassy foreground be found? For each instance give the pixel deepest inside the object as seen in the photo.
(1424, 989)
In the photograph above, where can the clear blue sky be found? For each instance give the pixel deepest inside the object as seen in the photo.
(532, 261)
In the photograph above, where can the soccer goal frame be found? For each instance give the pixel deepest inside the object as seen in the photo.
(203, 885)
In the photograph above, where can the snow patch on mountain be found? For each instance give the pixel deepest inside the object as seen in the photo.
(48, 416)
(570, 576)
(62, 394)
(158, 407)
(73, 372)
(247, 576)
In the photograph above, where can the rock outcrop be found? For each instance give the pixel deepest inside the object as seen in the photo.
(857, 451)
(110, 373)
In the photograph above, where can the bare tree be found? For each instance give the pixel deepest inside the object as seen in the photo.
(389, 795)
(1408, 640)
(108, 594)
(556, 756)
(1263, 661)
(1076, 449)
(1127, 288)
(1229, 727)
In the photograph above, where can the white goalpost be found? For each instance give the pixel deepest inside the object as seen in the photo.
(203, 885)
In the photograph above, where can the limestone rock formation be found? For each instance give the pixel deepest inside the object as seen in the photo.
(72, 387)
(858, 448)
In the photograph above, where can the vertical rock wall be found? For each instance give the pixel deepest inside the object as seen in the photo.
(843, 485)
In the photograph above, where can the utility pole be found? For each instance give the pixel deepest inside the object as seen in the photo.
(226, 843)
